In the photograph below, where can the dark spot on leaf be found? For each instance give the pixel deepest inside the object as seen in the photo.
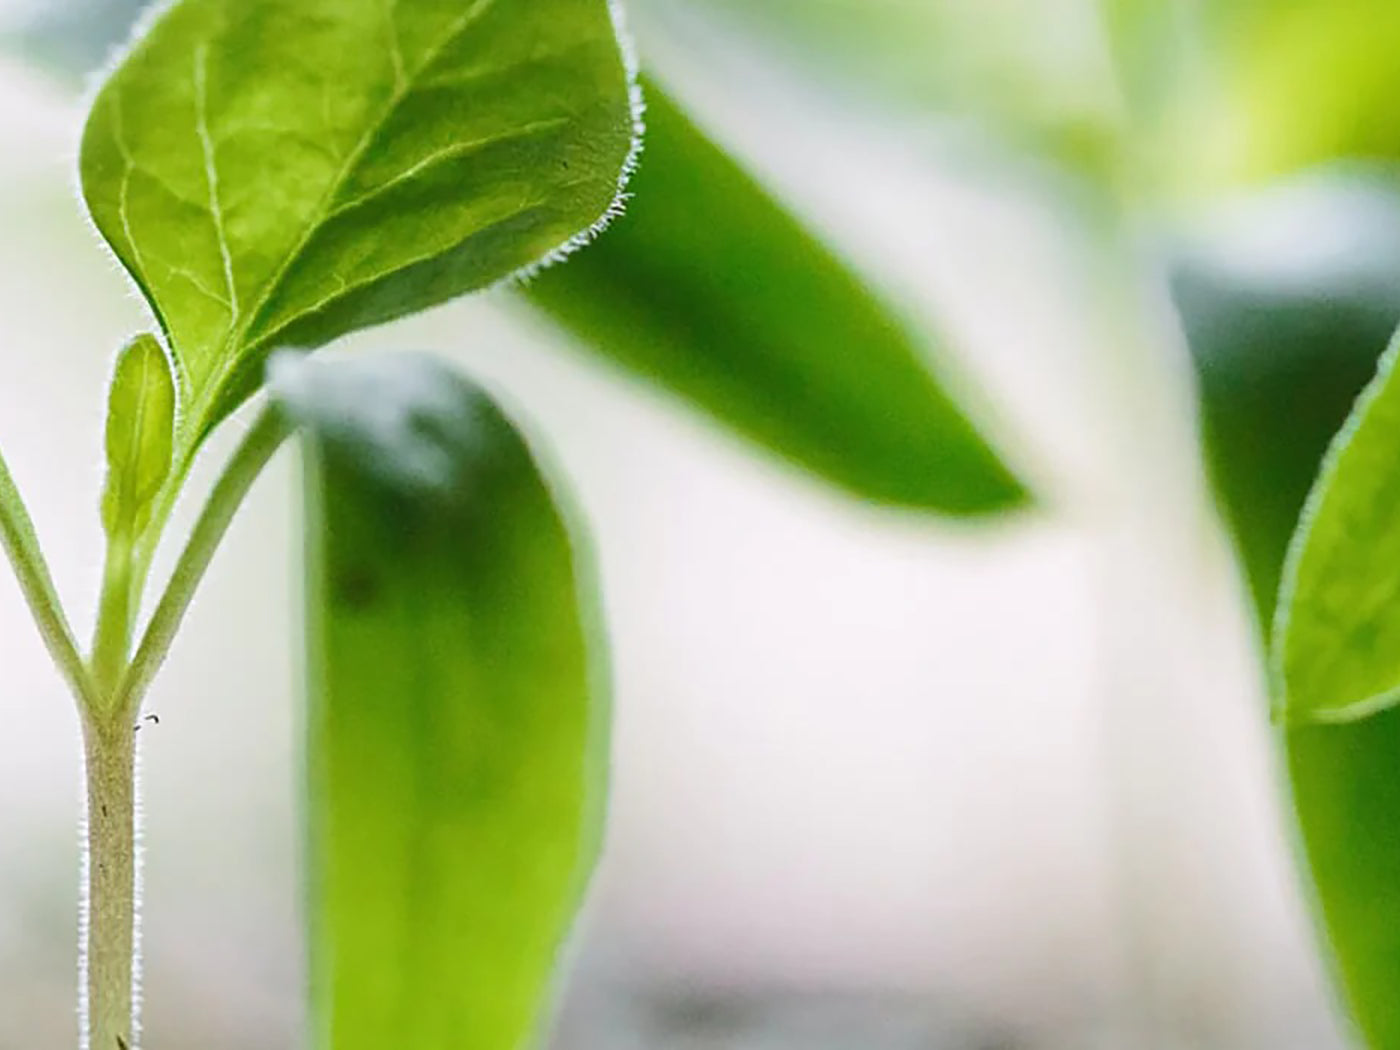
(356, 587)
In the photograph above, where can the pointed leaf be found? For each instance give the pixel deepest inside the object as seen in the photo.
(707, 286)
(454, 739)
(1284, 337)
(140, 434)
(1338, 636)
(275, 172)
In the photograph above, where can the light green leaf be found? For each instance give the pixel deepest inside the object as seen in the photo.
(708, 287)
(454, 736)
(1284, 338)
(1337, 670)
(1338, 633)
(1283, 341)
(280, 172)
(140, 435)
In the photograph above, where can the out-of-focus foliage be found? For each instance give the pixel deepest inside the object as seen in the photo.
(1346, 798)
(1289, 300)
(455, 733)
(1232, 92)
(1301, 83)
(1034, 70)
(1339, 667)
(708, 287)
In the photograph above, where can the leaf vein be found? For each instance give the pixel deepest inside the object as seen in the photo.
(226, 355)
(447, 153)
(211, 173)
(347, 287)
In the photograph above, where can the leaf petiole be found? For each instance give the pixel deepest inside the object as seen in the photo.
(21, 545)
(257, 447)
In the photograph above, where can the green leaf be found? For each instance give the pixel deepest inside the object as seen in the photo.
(1284, 336)
(707, 286)
(1338, 632)
(1337, 672)
(280, 173)
(140, 435)
(454, 736)
(1347, 799)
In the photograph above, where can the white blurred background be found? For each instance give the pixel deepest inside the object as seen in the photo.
(881, 782)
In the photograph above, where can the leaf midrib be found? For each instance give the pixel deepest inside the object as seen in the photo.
(227, 356)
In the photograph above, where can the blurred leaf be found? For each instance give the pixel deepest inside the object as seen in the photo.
(1347, 799)
(455, 739)
(278, 173)
(1288, 302)
(1285, 86)
(1025, 67)
(140, 432)
(708, 287)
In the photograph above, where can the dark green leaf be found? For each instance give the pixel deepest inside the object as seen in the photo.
(279, 173)
(709, 288)
(1347, 797)
(455, 743)
(140, 434)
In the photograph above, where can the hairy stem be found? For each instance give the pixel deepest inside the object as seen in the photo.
(109, 734)
(109, 946)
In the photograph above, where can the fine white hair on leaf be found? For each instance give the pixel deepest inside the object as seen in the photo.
(636, 104)
(92, 87)
(618, 205)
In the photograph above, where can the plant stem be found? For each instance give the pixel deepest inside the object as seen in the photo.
(111, 642)
(110, 932)
(20, 543)
(263, 439)
(110, 738)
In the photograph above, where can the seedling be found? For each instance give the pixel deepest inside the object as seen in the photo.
(275, 174)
